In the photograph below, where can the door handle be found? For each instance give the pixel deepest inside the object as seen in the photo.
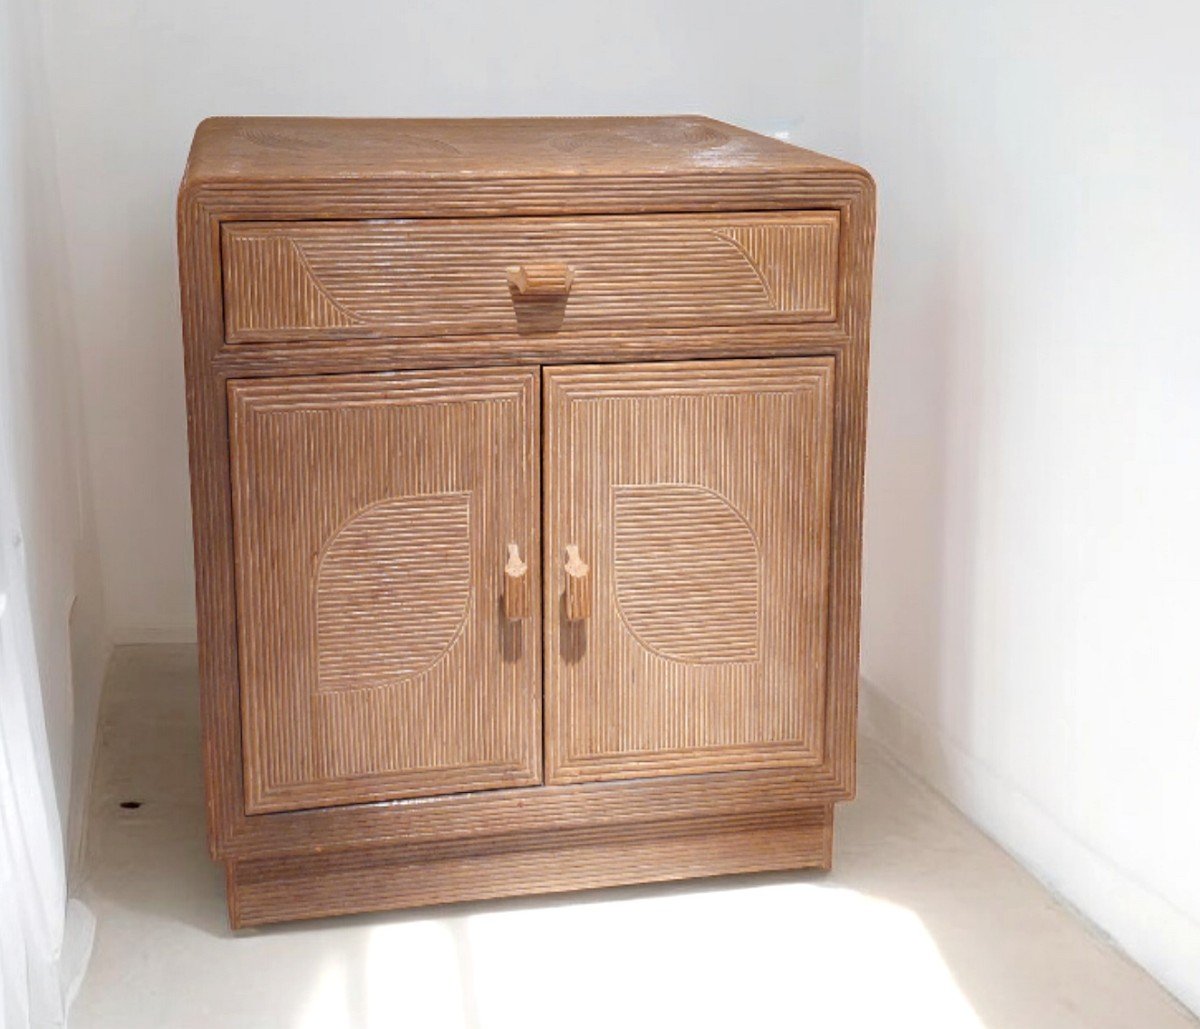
(516, 585)
(579, 586)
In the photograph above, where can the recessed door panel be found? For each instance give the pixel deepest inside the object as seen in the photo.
(696, 495)
(373, 516)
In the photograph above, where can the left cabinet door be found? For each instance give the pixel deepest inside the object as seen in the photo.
(374, 516)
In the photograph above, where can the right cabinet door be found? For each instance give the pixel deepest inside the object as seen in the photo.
(698, 496)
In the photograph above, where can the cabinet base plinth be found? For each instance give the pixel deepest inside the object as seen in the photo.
(341, 882)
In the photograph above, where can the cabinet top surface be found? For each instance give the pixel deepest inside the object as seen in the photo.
(247, 150)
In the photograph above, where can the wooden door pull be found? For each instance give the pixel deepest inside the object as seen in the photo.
(516, 585)
(541, 280)
(579, 586)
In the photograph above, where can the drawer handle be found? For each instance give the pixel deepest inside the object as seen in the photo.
(579, 586)
(541, 280)
(516, 585)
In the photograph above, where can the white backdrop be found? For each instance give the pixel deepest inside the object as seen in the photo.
(50, 606)
(1033, 489)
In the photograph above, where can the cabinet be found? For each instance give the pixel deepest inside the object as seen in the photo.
(526, 463)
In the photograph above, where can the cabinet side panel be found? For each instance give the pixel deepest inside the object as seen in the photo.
(208, 455)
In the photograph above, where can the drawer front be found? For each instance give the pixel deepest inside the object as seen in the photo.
(328, 280)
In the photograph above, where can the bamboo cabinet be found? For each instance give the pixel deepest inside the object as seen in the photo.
(527, 486)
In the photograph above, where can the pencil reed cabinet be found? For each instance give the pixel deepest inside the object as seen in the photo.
(527, 486)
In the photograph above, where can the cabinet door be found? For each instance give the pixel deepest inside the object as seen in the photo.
(697, 495)
(373, 516)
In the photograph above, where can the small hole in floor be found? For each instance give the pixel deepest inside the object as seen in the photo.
(131, 805)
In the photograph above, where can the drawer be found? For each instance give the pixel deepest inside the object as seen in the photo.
(328, 280)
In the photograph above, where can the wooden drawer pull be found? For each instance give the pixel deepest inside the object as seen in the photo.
(516, 585)
(579, 586)
(541, 280)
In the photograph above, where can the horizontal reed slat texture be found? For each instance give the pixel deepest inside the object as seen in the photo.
(377, 880)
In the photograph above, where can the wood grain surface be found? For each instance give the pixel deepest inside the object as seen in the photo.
(346, 151)
(315, 886)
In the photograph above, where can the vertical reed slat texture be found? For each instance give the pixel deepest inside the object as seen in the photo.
(699, 494)
(372, 517)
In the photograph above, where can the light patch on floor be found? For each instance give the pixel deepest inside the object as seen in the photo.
(923, 922)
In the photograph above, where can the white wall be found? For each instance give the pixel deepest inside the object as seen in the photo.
(54, 644)
(1033, 565)
(40, 410)
(132, 78)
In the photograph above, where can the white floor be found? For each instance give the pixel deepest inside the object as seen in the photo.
(923, 922)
